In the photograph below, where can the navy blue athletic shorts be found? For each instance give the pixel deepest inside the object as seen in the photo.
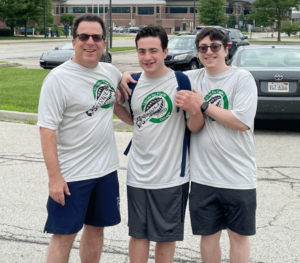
(213, 209)
(94, 202)
(157, 214)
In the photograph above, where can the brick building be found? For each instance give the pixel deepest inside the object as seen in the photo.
(171, 14)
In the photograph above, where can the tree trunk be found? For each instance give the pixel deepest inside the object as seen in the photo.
(25, 29)
(279, 31)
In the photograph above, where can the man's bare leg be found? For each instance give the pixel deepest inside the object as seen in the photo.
(138, 250)
(91, 244)
(59, 248)
(239, 247)
(210, 248)
(164, 252)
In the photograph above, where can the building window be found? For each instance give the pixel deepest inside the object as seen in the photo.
(157, 10)
(75, 10)
(146, 10)
(96, 10)
(178, 10)
(133, 10)
(57, 10)
(228, 10)
(166, 10)
(62, 10)
(192, 10)
(120, 10)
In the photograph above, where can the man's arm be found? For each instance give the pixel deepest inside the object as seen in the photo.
(188, 101)
(57, 184)
(126, 78)
(121, 111)
(225, 117)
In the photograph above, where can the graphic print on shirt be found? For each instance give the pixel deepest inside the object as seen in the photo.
(104, 95)
(156, 107)
(217, 97)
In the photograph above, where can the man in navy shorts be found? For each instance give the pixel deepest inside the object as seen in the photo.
(78, 143)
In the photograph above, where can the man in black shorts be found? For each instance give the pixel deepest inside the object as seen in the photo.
(157, 188)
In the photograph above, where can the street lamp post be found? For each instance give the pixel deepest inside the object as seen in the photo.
(44, 18)
(194, 15)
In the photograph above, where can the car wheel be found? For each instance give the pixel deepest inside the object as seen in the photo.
(193, 65)
(109, 59)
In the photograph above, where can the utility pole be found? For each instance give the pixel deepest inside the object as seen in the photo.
(45, 18)
(194, 25)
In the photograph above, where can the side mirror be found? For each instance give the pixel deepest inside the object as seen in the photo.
(56, 48)
(245, 37)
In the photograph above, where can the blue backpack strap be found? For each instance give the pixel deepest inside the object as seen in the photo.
(184, 84)
(132, 86)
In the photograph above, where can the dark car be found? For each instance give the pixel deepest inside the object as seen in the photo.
(276, 70)
(235, 38)
(53, 58)
(133, 29)
(182, 54)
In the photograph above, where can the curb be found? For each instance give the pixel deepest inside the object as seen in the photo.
(26, 116)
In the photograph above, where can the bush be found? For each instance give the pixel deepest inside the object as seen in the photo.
(5, 32)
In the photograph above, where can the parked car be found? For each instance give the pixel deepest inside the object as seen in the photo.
(276, 70)
(133, 29)
(119, 29)
(182, 54)
(142, 26)
(53, 58)
(235, 38)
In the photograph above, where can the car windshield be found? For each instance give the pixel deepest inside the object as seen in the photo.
(182, 43)
(66, 46)
(269, 57)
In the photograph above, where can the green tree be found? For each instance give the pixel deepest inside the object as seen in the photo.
(212, 12)
(67, 19)
(19, 12)
(267, 12)
(289, 29)
(232, 21)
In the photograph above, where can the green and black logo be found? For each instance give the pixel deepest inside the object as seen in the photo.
(156, 107)
(217, 97)
(104, 95)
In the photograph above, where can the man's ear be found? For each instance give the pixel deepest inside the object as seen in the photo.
(166, 52)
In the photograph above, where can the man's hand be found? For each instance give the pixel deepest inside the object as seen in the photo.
(57, 188)
(126, 78)
(190, 101)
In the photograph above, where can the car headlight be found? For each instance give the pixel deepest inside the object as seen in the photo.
(181, 57)
(44, 54)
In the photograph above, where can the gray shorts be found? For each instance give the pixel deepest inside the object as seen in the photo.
(157, 214)
(213, 209)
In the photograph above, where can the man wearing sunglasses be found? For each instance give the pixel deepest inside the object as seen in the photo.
(222, 160)
(78, 143)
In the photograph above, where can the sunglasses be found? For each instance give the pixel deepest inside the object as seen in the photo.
(86, 37)
(213, 47)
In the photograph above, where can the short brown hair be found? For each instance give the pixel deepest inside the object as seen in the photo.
(214, 34)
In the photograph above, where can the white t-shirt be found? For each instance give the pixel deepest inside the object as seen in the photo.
(77, 103)
(220, 156)
(156, 151)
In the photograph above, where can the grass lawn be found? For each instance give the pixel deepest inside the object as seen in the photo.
(20, 89)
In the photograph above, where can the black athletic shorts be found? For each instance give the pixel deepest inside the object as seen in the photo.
(213, 209)
(157, 214)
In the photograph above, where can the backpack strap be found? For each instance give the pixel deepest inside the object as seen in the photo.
(132, 86)
(184, 84)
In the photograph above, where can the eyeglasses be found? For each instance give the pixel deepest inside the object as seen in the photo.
(213, 47)
(86, 37)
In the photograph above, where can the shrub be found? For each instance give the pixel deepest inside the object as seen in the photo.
(5, 32)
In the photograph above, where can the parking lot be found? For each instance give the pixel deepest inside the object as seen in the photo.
(23, 188)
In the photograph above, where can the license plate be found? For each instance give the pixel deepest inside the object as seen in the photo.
(278, 87)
